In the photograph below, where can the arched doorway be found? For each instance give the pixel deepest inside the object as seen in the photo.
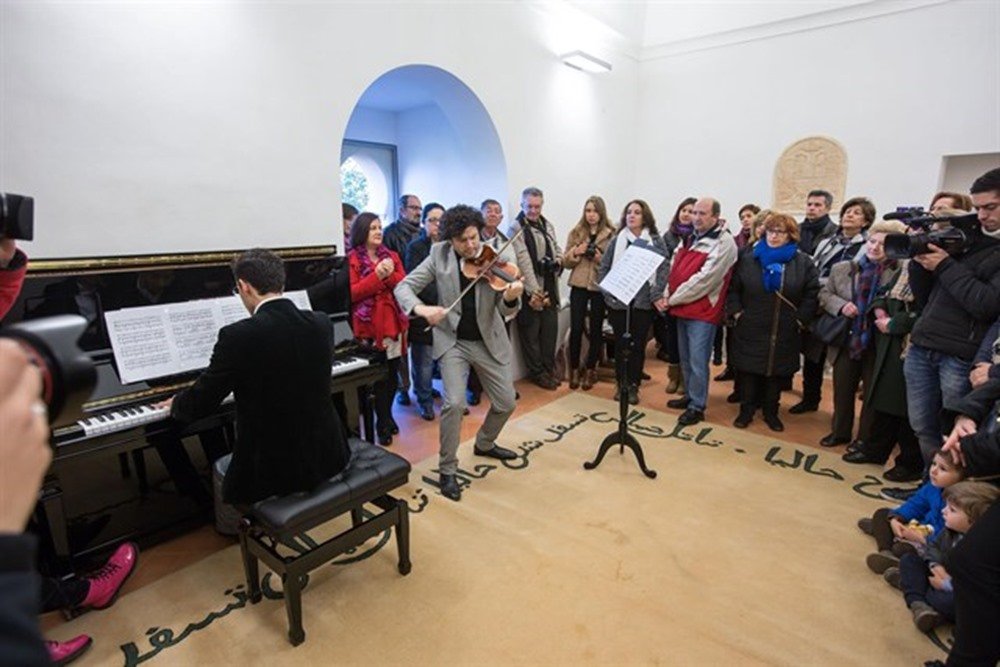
(418, 129)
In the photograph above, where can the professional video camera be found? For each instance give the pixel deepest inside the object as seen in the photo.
(68, 374)
(954, 238)
(17, 216)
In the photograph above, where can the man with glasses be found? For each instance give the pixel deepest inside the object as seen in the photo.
(396, 237)
(695, 294)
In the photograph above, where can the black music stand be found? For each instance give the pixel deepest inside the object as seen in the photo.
(622, 437)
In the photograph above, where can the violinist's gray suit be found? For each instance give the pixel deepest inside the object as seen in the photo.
(491, 357)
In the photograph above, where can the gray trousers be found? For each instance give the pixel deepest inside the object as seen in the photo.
(498, 383)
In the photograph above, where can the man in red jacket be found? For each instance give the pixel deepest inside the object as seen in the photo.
(695, 294)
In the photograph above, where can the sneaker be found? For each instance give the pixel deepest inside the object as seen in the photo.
(107, 582)
(897, 493)
(881, 561)
(63, 653)
(865, 524)
(892, 577)
(925, 617)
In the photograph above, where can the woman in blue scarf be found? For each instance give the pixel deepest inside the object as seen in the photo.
(772, 295)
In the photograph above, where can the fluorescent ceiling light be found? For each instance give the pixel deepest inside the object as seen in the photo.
(586, 62)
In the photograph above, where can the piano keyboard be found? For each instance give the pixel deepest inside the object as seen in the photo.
(140, 415)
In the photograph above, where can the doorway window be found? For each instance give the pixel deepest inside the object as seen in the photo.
(368, 177)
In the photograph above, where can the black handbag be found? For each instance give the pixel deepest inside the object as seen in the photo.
(832, 329)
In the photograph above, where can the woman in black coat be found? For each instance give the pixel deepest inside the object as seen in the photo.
(773, 294)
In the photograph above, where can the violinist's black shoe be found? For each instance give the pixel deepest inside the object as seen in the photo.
(450, 488)
(496, 452)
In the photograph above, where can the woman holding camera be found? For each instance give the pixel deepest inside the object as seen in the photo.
(584, 250)
(637, 226)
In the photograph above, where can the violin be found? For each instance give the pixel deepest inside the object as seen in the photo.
(488, 266)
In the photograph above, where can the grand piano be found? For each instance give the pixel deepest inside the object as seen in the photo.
(106, 483)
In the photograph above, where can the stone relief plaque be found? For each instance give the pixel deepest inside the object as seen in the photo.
(813, 163)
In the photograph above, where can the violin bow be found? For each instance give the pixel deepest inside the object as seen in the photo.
(482, 273)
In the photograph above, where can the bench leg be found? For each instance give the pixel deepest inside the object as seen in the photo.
(357, 516)
(292, 585)
(249, 563)
(403, 536)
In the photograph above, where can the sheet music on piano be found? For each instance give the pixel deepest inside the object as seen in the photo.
(156, 341)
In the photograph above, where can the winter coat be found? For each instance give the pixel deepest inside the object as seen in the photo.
(766, 334)
(584, 269)
(647, 293)
(887, 390)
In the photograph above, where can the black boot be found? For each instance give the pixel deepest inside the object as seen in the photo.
(745, 417)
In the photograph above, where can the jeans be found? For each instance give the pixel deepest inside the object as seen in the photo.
(694, 342)
(933, 380)
(913, 573)
(422, 370)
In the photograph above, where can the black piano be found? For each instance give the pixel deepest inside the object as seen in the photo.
(106, 483)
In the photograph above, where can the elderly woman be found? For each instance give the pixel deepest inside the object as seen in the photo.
(637, 226)
(375, 316)
(772, 295)
(893, 312)
(856, 215)
(851, 291)
(584, 251)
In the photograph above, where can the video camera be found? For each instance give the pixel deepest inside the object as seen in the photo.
(954, 239)
(68, 374)
(17, 217)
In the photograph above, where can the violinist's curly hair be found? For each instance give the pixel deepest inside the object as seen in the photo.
(457, 219)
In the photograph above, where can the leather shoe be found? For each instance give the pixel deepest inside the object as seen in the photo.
(734, 397)
(743, 420)
(107, 582)
(803, 407)
(450, 488)
(858, 456)
(427, 414)
(63, 653)
(402, 397)
(473, 397)
(726, 375)
(899, 474)
(496, 452)
(832, 441)
(678, 403)
(690, 416)
(897, 493)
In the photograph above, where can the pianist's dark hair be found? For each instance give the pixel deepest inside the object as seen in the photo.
(457, 219)
(262, 269)
(360, 228)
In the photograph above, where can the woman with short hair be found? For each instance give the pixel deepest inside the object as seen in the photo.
(772, 295)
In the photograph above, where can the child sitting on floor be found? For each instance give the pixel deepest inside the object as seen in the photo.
(925, 582)
(890, 528)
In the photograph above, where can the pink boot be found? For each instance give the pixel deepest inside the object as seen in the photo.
(106, 582)
(63, 653)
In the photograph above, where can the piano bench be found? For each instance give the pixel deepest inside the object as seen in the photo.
(368, 478)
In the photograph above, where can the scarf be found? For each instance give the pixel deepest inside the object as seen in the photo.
(681, 230)
(626, 238)
(869, 281)
(808, 231)
(364, 308)
(772, 262)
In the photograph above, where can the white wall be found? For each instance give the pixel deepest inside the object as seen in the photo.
(898, 91)
(142, 127)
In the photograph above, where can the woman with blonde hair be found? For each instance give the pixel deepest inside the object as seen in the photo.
(584, 251)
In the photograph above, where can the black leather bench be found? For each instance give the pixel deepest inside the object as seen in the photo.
(369, 477)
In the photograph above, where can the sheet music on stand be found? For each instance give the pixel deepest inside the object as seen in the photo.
(631, 271)
(154, 341)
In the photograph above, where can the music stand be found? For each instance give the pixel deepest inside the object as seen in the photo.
(625, 279)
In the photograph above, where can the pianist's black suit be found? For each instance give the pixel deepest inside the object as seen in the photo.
(277, 364)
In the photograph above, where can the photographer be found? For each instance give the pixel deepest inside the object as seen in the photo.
(13, 266)
(959, 298)
(26, 455)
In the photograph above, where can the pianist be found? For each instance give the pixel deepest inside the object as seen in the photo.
(277, 365)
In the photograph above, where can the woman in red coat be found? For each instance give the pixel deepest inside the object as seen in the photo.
(375, 315)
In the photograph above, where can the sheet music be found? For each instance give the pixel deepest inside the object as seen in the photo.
(154, 341)
(630, 272)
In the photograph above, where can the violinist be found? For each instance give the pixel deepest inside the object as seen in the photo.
(468, 333)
